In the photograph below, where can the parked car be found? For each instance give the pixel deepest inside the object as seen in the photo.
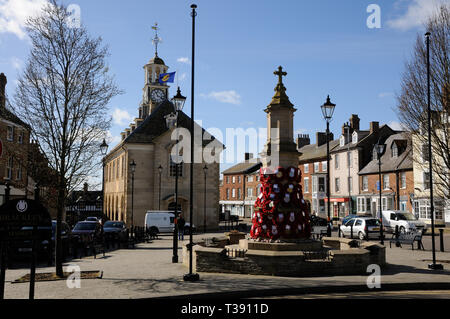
(93, 219)
(318, 221)
(403, 219)
(348, 217)
(88, 232)
(363, 227)
(115, 230)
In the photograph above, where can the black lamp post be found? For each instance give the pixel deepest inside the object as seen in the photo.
(191, 276)
(205, 171)
(172, 122)
(432, 266)
(327, 111)
(103, 151)
(160, 169)
(133, 170)
(380, 150)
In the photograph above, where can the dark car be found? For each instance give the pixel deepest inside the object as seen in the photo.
(114, 230)
(88, 232)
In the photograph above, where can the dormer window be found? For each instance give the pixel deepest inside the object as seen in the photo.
(10, 133)
(355, 138)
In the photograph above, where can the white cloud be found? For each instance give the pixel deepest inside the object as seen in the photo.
(397, 126)
(14, 14)
(229, 97)
(112, 140)
(385, 94)
(184, 60)
(16, 63)
(121, 117)
(416, 14)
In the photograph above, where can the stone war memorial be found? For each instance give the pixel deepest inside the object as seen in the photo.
(280, 240)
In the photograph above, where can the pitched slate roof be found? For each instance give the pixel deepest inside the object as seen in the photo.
(388, 163)
(245, 167)
(314, 152)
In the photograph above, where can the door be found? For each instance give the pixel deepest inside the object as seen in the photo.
(346, 229)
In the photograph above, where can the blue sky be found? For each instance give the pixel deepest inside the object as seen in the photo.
(325, 46)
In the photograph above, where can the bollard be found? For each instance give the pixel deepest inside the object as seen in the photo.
(397, 243)
(441, 235)
(351, 231)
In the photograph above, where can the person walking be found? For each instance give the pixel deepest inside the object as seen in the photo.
(181, 222)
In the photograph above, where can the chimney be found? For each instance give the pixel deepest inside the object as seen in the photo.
(138, 121)
(354, 122)
(128, 131)
(124, 135)
(248, 156)
(303, 140)
(321, 138)
(3, 82)
(374, 127)
(85, 187)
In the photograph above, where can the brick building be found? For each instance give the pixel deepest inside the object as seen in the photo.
(397, 178)
(240, 187)
(313, 165)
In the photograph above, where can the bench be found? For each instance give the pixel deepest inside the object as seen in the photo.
(407, 238)
(317, 232)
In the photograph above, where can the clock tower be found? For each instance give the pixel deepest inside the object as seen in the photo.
(153, 92)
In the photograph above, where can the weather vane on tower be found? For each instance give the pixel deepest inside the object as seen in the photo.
(156, 40)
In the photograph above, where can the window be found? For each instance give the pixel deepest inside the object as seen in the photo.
(365, 183)
(336, 161)
(385, 181)
(355, 138)
(19, 173)
(233, 193)
(314, 184)
(20, 137)
(321, 184)
(249, 192)
(361, 204)
(350, 186)
(250, 179)
(403, 180)
(113, 169)
(306, 168)
(425, 155)
(233, 180)
(342, 141)
(228, 193)
(324, 166)
(239, 193)
(349, 159)
(9, 168)
(10, 133)
(306, 185)
(316, 167)
(337, 185)
(394, 150)
(426, 180)
(228, 179)
(403, 205)
(239, 179)
(358, 222)
(425, 209)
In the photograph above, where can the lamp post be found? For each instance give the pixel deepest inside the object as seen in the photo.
(172, 122)
(133, 170)
(205, 171)
(103, 151)
(327, 111)
(191, 276)
(432, 266)
(380, 150)
(160, 169)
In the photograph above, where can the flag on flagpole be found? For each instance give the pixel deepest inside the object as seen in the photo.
(167, 78)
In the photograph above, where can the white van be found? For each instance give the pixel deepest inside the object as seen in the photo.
(403, 219)
(160, 221)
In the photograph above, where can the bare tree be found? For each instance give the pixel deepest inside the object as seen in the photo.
(63, 95)
(412, 102)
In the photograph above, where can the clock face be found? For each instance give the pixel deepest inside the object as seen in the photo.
(158, 95)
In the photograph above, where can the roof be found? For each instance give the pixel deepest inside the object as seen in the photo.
(362, 134)
(388, 163)
(314, 152)
(246, 167)
(9, 116)
(156, 60)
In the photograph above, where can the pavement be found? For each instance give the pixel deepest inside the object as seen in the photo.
(148, 272)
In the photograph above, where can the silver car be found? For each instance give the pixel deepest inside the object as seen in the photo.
(363, 227)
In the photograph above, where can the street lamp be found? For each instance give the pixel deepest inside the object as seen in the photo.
(432, 266)
(205, 171)
(191, 276)
(327, 111)
(103, 151)
(160, 169)
(172, 122)
(133, 170)
(380, 150)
